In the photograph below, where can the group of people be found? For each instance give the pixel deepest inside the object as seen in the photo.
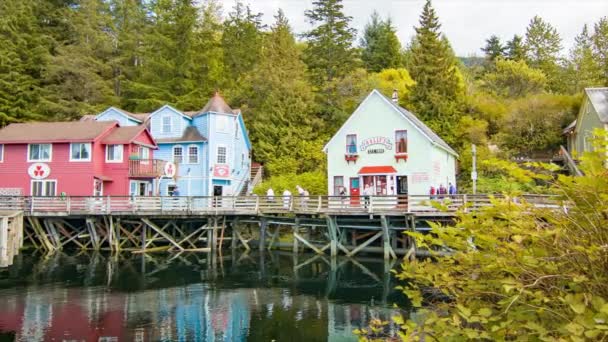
(442, 191)
(302, 193)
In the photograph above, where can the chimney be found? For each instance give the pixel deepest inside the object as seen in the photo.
(395, 96)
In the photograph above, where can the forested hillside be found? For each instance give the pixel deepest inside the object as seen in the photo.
(60, 59)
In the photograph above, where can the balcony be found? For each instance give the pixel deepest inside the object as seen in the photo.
(146, 168)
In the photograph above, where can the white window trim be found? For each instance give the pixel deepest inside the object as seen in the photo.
(162, 124)
(81, 160)
(29, 146)
(2, 153)
(173, 153)
(197, 154)
(356, 143)
(217, 150)
(43, 181)
(122, 154)
(406, 141)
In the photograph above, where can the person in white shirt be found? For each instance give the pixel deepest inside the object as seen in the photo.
(286, 198)
(367, 192)
(270, 195)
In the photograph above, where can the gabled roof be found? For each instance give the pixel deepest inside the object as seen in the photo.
(126, 135)
(50, 132)
(191, 134)
(217, 104)
(129, 115)
(424, 129)
(599, 100)
(570, 128)
(189, 117)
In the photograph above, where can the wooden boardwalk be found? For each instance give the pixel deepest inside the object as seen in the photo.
(325, 225)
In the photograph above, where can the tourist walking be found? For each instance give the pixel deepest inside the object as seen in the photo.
(270, 195)
(286, 198)
(452, 190)
(367, 192)
(432, 192)
(343, 198)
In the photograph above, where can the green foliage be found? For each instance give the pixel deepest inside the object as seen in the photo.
(493, 48)
(515, 49)
(389, 80)
(582, 69)
(514, 79)
(381, 47)
(600, 47)
(543, 45)
(314, 182)
(517, 271)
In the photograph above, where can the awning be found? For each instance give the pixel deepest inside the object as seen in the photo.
(104, 178)
(377, 170)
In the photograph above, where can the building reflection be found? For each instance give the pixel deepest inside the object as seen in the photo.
(238, 305)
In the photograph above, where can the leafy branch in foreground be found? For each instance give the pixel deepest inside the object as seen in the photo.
(518, 271)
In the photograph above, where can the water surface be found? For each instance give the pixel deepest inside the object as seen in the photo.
(193, 297)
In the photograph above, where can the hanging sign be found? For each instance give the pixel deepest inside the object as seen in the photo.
(170, 169)
(384, 141)
(39, 170)
(221, 171)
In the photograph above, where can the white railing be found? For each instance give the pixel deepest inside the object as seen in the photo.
(74, 205)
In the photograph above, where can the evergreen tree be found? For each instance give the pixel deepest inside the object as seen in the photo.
(280, 106)
(494, 48)
(600, 47)
(167, 59)
(79, 77)
(242, 42)
(381, 47)
(582, 69)
(515, 49)
(329, 52)
(437, 96)
(543, 43)
(23, 55)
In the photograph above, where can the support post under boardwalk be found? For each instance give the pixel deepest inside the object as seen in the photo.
(386, 238)
(296, 226)
(263, 225)
(333, 234)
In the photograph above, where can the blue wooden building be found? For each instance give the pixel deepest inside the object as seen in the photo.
(210, 148)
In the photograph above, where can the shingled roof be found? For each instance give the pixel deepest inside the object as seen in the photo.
(124, 135)
(49, 132)
(216, 104)
(599, 100)
(191, 134)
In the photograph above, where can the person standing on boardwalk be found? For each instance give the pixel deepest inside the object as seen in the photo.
(286, 198)
(343, 196)
(270, 195)
(367, 192)
(301, 194)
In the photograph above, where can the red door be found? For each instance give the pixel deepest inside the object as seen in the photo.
(354, 191)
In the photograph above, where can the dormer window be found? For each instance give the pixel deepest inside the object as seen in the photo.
(167, 124)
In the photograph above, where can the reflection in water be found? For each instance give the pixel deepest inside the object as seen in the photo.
(192, 297)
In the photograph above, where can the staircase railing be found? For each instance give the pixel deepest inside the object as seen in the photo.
(570, 163)
(258, 174)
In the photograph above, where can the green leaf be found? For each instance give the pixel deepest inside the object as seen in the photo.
(575, 328)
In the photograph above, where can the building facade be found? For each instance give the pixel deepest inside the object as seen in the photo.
(388, 149)
(210, 148)
(592, 115)
(76, 159)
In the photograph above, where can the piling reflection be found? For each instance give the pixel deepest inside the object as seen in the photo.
(193, 297)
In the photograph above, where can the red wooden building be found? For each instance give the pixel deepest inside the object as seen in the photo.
(77, 159)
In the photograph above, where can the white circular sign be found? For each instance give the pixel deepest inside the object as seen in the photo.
(39, 170)
(170, 169)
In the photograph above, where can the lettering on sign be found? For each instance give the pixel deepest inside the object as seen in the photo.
(384, 141)
(39, 170)
(420, 177)
(375, 151)
(221, 171)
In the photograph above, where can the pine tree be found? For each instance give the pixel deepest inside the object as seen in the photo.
(437, 96)
(280, 106)
(241, 41)
(600, 47)
(515, 49)
(543, 43)
(329, 52)
(79, 77)
(494, 48)
(23, 56)
(582, 68)
(381, 47)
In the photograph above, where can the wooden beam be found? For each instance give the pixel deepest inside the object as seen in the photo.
(162, 233)
(365, 244)
(308, 244)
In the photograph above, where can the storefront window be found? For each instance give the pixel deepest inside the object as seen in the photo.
(401, 142)
(351, 144)
(338, 184)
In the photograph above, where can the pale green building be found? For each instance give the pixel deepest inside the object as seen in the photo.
(592, 114)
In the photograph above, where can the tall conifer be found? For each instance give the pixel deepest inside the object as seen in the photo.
(381, 47)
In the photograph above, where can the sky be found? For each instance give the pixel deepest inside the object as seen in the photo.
(467, 23)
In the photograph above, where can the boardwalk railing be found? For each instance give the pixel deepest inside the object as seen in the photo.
(244, 205)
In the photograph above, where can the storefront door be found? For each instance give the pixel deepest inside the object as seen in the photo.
(402, 192)
(355, 191)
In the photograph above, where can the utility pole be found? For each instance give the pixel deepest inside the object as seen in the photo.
(474, 171)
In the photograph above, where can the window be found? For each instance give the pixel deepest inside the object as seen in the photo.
(178, 154)
(114, 153)
(242, 160)
(80, 152)
(222, 123)
(167, 124)
(39, 152)
(193, 154)
(401, 142)
(1, 153)
(144, 153)
(221, 154)
(44, 187)
(338, 184)
(351, 144)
